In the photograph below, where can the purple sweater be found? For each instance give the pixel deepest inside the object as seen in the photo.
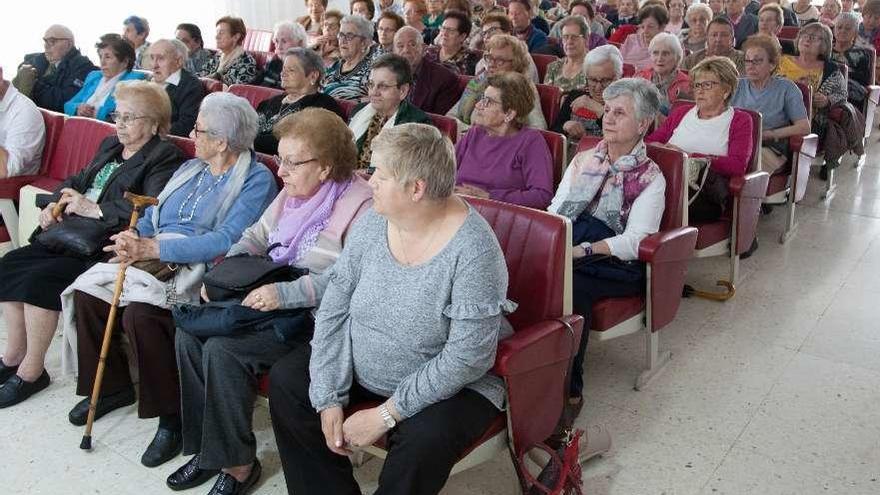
(514, 169)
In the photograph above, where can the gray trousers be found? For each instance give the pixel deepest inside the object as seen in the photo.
(218, 387)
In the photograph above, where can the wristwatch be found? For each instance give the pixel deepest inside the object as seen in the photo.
(387, 418)
(588, 248)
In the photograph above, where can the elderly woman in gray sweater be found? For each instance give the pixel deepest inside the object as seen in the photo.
(411, 319)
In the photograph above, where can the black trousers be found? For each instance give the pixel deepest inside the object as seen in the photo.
(150, 331)
(586, 291)
(422, 449)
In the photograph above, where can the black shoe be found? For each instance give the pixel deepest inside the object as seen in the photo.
(226, 484)
(751, 250)
(106, 403)
(165, 446)
(823, 173)
(190, 475)
(16, 390)
(6, 372)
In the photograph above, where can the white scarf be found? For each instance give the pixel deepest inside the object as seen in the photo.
(105, 87)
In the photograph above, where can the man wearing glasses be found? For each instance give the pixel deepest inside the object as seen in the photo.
(56, 75)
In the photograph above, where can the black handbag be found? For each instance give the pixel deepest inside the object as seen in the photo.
(235, 276)
(227, 318)
(80, 236)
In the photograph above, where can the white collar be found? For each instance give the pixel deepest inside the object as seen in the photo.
(174, 79)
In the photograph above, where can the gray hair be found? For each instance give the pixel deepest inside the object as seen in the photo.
(410, 29)
(576, 20)
(847, 18)
(294, 29)
(603, 54)
(670, 41)
(646, 97)
(825, 35)
(64, 31)
(698, 8)
(231, 118)
(177, 47)
(363, 26)
(308, 59)
(414, 152)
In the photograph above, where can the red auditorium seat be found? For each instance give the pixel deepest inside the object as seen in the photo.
(262, 58)
(551, 100)
(558, 145)
(541, 63)
(347, 106)
(186, 145)
(254, 94)
(54, 122)
(270, 162)
(447, 126)
(788, 32)
(784, 182)
(733, 234)
(534, 361)
(629, 70)
(666, 253)
(211, 85)
(257, 40)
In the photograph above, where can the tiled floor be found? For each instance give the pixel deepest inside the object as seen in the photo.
(774, 392)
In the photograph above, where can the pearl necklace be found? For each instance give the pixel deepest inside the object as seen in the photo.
(195, 205)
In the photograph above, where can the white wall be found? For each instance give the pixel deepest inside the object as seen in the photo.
(22, 24)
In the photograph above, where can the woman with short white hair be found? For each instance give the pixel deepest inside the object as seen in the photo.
(411, 321)
(666, 56)
(285, 36)
(693, 39)
(347, 78)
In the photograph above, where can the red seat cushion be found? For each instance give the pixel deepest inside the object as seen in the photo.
(609, 312)
(254, 94)
(78, 144)
(778, 183)
(712, 233)
(54, 126)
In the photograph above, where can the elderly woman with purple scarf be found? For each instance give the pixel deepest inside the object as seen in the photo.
(614, 194)
(305, 226)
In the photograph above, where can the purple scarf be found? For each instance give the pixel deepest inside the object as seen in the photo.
(302, 220)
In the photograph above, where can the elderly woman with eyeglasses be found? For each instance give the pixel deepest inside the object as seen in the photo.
(301, 79)
(308, 224)
(582, 110)
(693, 37)
(857, 58)
(814, 67)
(135, 159)
(504, 54)
(389, 84)
(202, 211)
(231, 64)
(666, 56)
(710, 129)
(568, 73)
(500, 158)
(347, 78)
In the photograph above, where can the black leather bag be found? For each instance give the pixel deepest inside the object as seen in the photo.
(77, 235)
(234, 277)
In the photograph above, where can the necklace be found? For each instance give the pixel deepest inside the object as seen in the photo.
(195, 205)
(407, 261)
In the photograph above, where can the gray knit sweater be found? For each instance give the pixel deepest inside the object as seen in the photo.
(416, 334)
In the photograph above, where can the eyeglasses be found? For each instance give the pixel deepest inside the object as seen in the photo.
(572, 37)
(125, 118)
(373, 86)
(705, 85)
(485, 101)
(291, 165)
(450, 30)
(488, 31)
(348, 37)
(600, 82)
(51, 41)
(197, 131)
(811, 37)
(492, 60)
(754, 61)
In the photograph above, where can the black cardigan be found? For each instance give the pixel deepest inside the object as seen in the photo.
(186, 98)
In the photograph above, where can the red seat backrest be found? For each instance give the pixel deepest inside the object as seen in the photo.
(262, 58)
(556, 143)
(534, 245)
(257, 40)
(447, 126)
(346, 106)
(54, 122)
(186, 145)
(788, 32)
(756, 132)
(629, 70)
(551, 100)
(463, 82)
(541, 63)
(254, 94)
(77, 145)
(272, 165)
(807, 94)
(671, 163)
(211, 85)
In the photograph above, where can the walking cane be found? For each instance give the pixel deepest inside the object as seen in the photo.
(137, 203)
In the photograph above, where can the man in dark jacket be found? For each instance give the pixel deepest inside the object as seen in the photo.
(54, 76)
(184, 89)
(435, 87)
(744, 24)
